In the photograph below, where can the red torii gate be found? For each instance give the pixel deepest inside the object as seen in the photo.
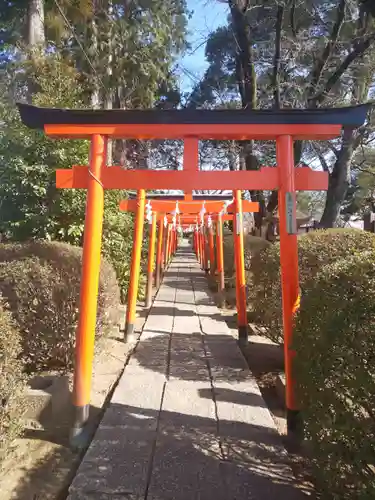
(284, 126)
(188, 212)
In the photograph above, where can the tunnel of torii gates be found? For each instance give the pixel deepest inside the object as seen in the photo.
(173, 215)
(283, 126)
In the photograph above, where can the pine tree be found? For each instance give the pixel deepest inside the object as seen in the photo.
(292, 54)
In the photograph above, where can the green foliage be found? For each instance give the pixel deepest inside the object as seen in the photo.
(146, 40)
(31, 206)
(361, 197)
(12, 21)
(219, 81)
(41, 283)
(311, 203)
(252, 246)
(143, 39)
(315, 250)
(12, 381)
(334, 369)
(118, 239)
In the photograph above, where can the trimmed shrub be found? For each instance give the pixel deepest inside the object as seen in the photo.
(335, 373)
(252, 246)
(41, 283)
(315, 250)
(12, 381)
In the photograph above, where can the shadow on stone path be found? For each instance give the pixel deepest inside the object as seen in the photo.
(187, 420)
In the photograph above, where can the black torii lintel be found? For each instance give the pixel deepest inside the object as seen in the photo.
(36, 117)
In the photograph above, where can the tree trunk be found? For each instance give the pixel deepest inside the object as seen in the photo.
(247, 84)
(35, 40)
(35, 24)
(109, 94)
(232, 156)
(95, 95)
(339, 181)
(277, 57)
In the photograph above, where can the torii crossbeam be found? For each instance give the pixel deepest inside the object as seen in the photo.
(284, 126)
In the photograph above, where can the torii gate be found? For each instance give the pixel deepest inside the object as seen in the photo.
(284, 126)
(188, 211)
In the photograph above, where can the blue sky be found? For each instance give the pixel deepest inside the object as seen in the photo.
(208, 15)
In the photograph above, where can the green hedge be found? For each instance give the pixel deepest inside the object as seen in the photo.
(12, 381)
(335, 371)
(252, 246)
(41, 283)
(315, 250)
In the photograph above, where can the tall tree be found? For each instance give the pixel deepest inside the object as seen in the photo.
(143, 38)
(293, 55)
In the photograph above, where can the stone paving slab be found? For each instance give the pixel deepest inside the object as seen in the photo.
(187, 420)
(117, 462)
(186, 463)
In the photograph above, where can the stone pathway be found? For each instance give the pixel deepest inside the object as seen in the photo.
(187, 420)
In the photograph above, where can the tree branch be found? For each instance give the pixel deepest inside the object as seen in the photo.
(334, 150)
(245, 55)
(361, 71)
(321, 159)
(276, 64)
(293, 18)
(360, 136)
(359, 49)
(320, 63)
(240, 79)
(272, 202)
